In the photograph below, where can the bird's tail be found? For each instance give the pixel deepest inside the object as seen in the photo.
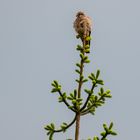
(87, 42)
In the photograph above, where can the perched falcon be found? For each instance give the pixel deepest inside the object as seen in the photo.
(82, 26)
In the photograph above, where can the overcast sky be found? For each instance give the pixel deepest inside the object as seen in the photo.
(37, 45)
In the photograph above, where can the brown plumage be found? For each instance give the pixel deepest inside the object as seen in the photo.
(82, 26)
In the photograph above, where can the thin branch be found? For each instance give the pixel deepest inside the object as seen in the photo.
(79, 95)
(85, 104)
(86, 111)
(69, 125)
(66, 103)
(104, 136)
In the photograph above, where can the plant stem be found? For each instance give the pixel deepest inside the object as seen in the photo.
(84, 112)
(104, 136)
(79, 95)
(77, 126)
(84, 106)
(69, 125)
(65, 101)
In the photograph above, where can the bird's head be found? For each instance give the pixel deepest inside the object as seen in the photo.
(80, 13)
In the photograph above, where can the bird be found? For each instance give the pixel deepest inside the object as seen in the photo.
(82, 26)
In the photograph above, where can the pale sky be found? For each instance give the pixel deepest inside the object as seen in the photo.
(37, 46)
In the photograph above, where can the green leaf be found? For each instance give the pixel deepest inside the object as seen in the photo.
(101, 102)
(92, 98)
(56, 83)
(88, 91)
(108, 91)
(53, 84)
(75, 93)
(111, 125)
(103, 134)
(113, 133)
(64, 95)
(54, 90)
(60, 99)
(88, 38)
(79, 48)
(99, 93)
(90, 77)
(100, 82)
(85, 80)
(65, 124)
(82, 56)
(52, 126)
(77, 71)
(95, 138)
(74, 101)
(94, 82)
(77, 107)
(48, 133)
(69, 98)
(78, 65)
(105, 128)
(59, 88)
(97, 74)
(97, 104)
(77, 80)
(87, 61)
(47, 127)
(105, 125)
(70, 107)
(72, 95)
(96, 98)
(108, 96)
(92, 111)
(92, 74)
(85, 58)
(101, 90)
(87, 50)
(87, 46)
(79, 99)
